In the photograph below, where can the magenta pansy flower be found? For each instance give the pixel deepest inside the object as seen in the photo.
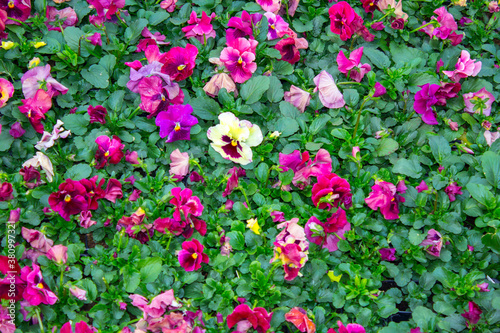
(479, 102)
(242, 26)
(445, 24)
(191, 256)
(201, 29)
(234, 175)
(370, 6)
(433, 242)
(327, 234)
(351, 66)
(80, 327)
(473, 315)
(387, 254)
(422, 187)
(185, 203)
(270, 5)
(331, 191)
(384, 196)
(6, 191)
(350, 328)
(69, 200)
(113, 190)
(298, 98)
(244, 318)
(175, 123)
(425, 98)
(180, 62)
(106, 9)
(6, 91)
(464, 67)
(109, 151)
(17, 9)
(452, 190)
(40, 78)
(329, 95)
(277, 27)
(37, 292)
(341, 18)
(179, 164)
(304, 168)
(95, 39)
(168, 5)
(379, 90)
(35, 108)
(238, 58)
(97, 114)
(156, 96)
(150, 39)
(446, 91)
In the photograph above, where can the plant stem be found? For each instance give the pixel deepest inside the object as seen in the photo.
(245, 195)
(169, 240)
(359, 117)
(423, 26)
(199, 167)
(16, 20)
(411, 115)
(37, 312)
(134, 113)
(435, 203)
(351, 82)
(61, 281)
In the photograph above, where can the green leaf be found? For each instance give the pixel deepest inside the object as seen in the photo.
(282, 68)
(286, 177)
(78, 172)
(288, 110)
(424, 318)
(318, 123)
(253, 89)
(491, 168)
(416, 237)
(131, 281)
(287, 126)
(236, 240)
(72, 37)
(422, 78)
(378, 58)
(492, 241)
(134, 30)
(150, 269)
(5, 139)
(482, 194)
(205, 108)
(158, 17)
(97, 76)
(275, 92)
(108, 62)
(115, 100)
(351, 97)
(410, 168)
(386, 146)
(242, 213)
(76, 123)
(440, 148)
(261, 172)
(272, 53)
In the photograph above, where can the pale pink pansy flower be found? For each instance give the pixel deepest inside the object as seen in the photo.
(464, 67)
(298, 98)
(329, 95)
(179, 165)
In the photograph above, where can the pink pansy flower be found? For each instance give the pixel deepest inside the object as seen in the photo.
(48, 139)
(446, 91)
(95, 39)
(123, 306)
(277, 26)
(185, 203)
(17, 9)
(452, 190)
(377, 26)
(242, 26)
(159, 304)
(270, 5)
(493, 7)
(245, 318)
(6, 91)
(135, 195)
(191, 256)
(106, 10)
(491, 137)
(278, 216)
(298, 98)
(387, 254)
(66, 15)
(234, 174)
(85, 219)
(384, 196)
(422, 187)
(350, 328)
(150, 39)
(37, 239)
(179, 165)
(445, 24)
(29, 174)
(327, 234)
(58, 253)
(473, 315)
(201, 29)
(415, 330)
(37, 292)
(464, 67)
(238, 58)
(6, 323)
(351, 67)
(175, 123)
(425, 98)
(156, 96)
(341, 18)
(78, 293)
(113, 190)
(379, 90)
(180, 62)
(401, 187)
(40, 78)
(6, 191)
(168, 5)
(289, 48)
(155, 60)
(483, 287)
(479, 102)
(80, 327)
(35, 109)
(331, 191)
(304, 168)
(109, 151)
(433, 242)
(398, 8)
(329, 94)
(132, 157)
(97, 114)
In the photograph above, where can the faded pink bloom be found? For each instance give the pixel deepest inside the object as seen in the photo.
(219, 81)
(37, 239)
(329, 94)
(179, 165)
(40, 78)
(491, 137)
(158, 305)
(479, 102)
(385, 4)
(493, 7)
(201, 29)
(351, 67)
(278, 216)
(238, 58)
(464, 67)
(6, 91)
(113, 190)
(453, 125)
(270, 5)
(433, 242)
(48, 139)
(168, 5)
(132, 157)
(67, 16)
(135, 195)
(16, 130)
(85, 219)
(58, 253)
(483, 287)
(298, 97)
(78, 293)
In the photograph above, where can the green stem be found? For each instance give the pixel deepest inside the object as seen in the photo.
(276, 264)
(61, 281)
(435, 203)
(16, 20)
(423, 26)
(359, 117)
(199, 167)
(169, 240)
(411, 115)
(134, 112)
(245, 195)
(357, 83)
(37, 312)
(121, 20)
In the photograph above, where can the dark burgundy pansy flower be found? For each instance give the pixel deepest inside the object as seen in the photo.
(6, 191)
(398, 24)
(370, 5)
(108, 151)
(18, 9)
(30, 173)
(135, 227)
(94, 191)
(69, 200)
(289, 48)
(97, 114)
(179, 62)
(191, 256)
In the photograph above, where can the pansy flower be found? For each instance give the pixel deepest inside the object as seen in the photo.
(277, 27)
(109, 151)
(6, 91)
(425, 98)
(150, 39)
(37, 291)
(331, 191)
(289, 48)
(156, 96)
(244, 318)
(66, 16)
(433, 243)
(106, 9)
(479, 102)
(201, 29)
(180, 62)
(473, 315)
(341, 18)
(464, 67)
(17, 9)
(232, 182)
(191, 256)
(232, 138)
(97, 114)
(350, 328)
(175, 123)
(35, 108)
(238, 58)
(190, 207)
(329, 95)
(242, 26)
(40, 78)
(328, 234)
(134, 226)
(48, 139)
(298, 98)
(80, 327)
(179, 164)
(299, 318)
(384, 196)
(351, 66)
(69, 200)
